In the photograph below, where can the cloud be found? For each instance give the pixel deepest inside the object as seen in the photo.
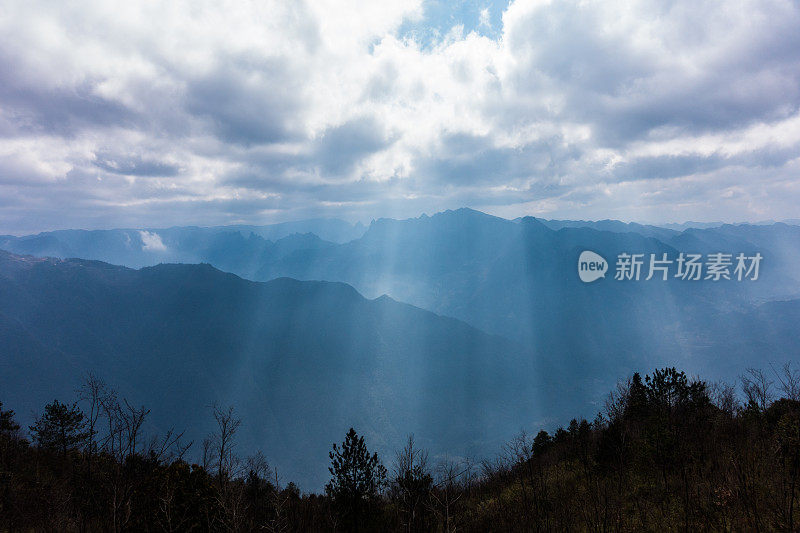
(151, 242)
(341, 147)
(134, 165)
(212, 112)
(247, 101)
(485, 18)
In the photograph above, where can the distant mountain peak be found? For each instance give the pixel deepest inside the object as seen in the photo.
(467, 212)
(531, 221)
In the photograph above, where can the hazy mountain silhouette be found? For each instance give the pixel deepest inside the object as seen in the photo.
(518, 279)
(240, 249)
(513, 279)
(301, 361)
(615, 226)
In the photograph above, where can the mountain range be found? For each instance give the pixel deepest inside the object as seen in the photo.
(496, 331)
(301, 361)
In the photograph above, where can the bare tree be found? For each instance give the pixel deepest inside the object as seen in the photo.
(222, 441)
(617, 400)
(412, 484)
(205, 459)
(757, 389)
(124, 427)
(280, 501)
(723, 395)
(123, 439)
(451, 477)
(258, 466)
(169, 447)
(94, 393)
(220, 449)
(519, 451)
(789, 380)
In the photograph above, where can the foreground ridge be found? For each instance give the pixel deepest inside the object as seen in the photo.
(667, 452)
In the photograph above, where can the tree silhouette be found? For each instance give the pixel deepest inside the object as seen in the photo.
(669, 453)
(7, 424)
(412, 486)
(358, 478)
(61, 427)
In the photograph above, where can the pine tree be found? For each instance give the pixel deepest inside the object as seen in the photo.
(357, 481)
(61, 427)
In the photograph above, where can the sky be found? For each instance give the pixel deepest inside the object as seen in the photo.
(152, 114)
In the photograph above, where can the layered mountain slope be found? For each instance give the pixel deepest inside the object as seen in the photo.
(301, 361)
(519, 279)
(239, 249)
(515, 278)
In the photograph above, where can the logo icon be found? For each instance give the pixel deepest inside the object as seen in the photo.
(591, 266)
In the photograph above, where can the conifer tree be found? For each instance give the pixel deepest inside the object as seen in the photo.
(357, 481)
(61, 427)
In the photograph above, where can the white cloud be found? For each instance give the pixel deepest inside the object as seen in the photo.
(485, 18)
(242, 111)
(151, 242)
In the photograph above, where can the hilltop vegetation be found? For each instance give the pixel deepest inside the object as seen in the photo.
(667, 453)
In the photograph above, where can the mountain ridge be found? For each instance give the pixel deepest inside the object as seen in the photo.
(306, 359)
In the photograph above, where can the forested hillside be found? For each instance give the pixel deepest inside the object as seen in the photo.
(666, 453)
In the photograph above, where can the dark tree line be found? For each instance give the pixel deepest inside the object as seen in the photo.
(667, 453)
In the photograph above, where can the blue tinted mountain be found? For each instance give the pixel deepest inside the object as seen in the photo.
(301, 361)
